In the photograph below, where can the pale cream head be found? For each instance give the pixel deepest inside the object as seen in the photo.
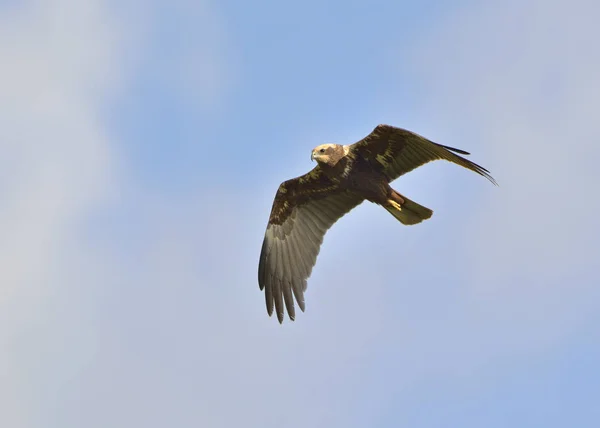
(328, 154)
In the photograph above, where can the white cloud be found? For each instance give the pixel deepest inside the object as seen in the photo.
(63, 63)
(59, 58)
(175, 333)
(56, 155)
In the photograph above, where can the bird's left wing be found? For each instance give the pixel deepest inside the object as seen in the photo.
(303, 210)
(396, 151)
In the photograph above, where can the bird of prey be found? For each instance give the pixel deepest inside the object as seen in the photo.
(307, 206)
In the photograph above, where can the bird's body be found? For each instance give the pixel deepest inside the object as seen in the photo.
(307, 206)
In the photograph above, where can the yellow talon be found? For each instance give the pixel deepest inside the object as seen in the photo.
(395, 204)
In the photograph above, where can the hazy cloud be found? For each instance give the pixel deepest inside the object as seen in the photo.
(145, 311)
(520, 80)
(60, 59)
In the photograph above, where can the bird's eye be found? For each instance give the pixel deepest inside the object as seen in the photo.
(322, 150)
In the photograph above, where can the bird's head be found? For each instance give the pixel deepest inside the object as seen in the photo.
(328, 154)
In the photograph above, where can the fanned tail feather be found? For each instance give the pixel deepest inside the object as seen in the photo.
(408, 212)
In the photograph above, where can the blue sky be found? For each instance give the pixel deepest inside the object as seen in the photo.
(142, 146)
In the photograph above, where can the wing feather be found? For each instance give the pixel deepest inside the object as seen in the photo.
(396, 151)
(297, 269)
(278, 279)
(303, 264)
(303, 211)
(288, 276)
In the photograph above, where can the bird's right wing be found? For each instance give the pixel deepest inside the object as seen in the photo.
(303, 210)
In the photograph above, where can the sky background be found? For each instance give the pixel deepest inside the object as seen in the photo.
(142, 145)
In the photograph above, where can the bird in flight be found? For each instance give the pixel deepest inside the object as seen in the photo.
(346, 175)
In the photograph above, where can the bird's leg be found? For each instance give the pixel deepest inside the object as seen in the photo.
(395, 204)
(395, 199)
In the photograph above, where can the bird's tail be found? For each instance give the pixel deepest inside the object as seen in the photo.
(406, 211)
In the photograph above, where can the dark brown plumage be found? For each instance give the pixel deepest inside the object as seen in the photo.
(307, 206)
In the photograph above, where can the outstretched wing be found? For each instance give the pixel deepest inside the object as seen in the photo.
(303, 210)
(396, 151)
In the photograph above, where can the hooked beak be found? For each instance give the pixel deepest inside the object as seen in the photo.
(312, 156)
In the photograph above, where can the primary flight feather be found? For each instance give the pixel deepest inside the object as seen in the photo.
(307, 206)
